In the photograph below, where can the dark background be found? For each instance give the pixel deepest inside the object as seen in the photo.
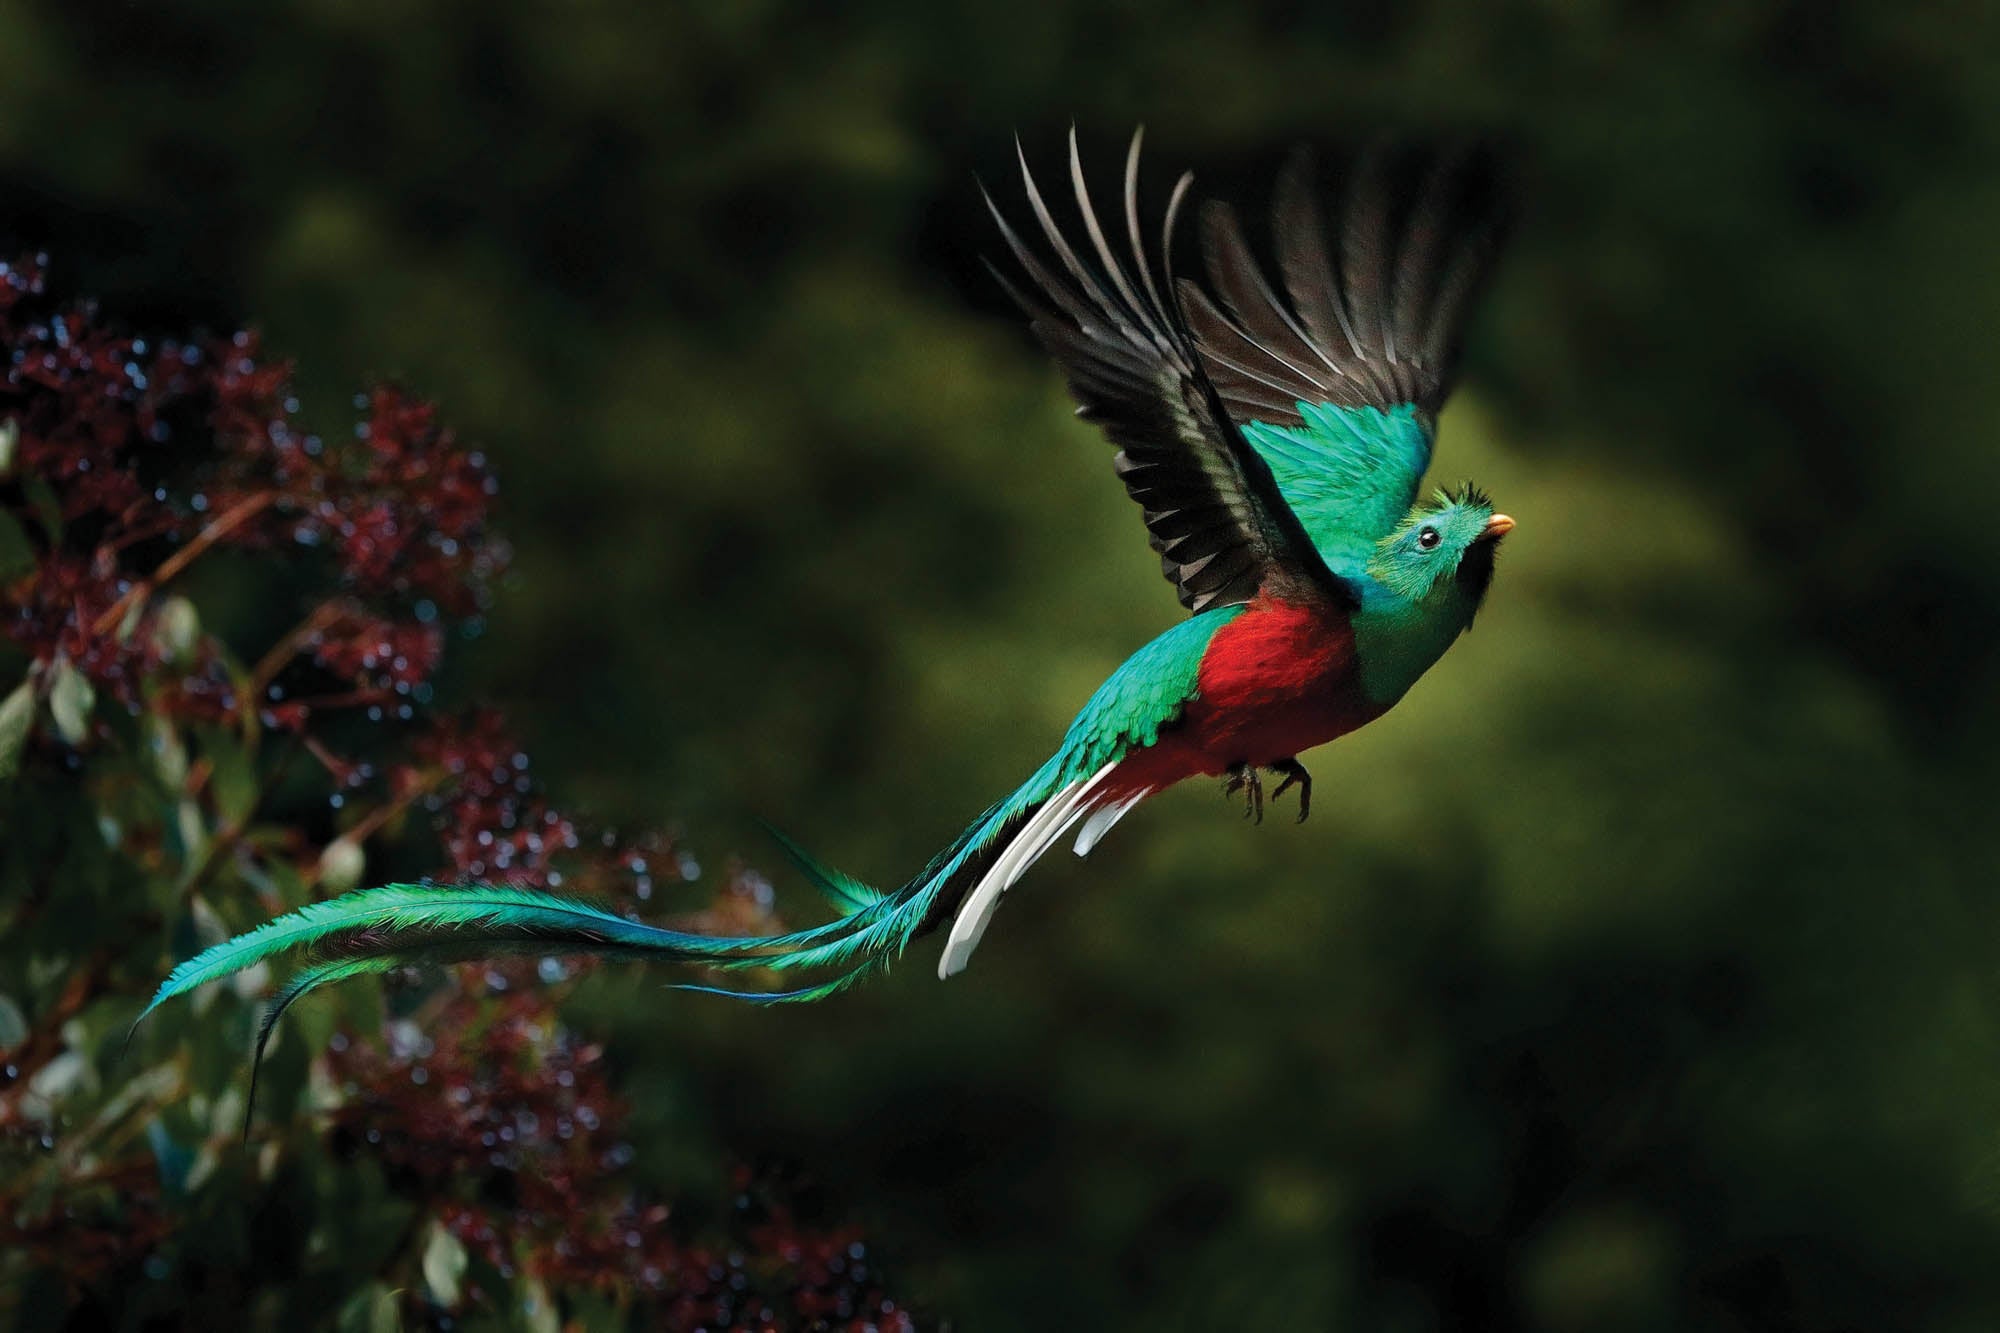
(1637, 972)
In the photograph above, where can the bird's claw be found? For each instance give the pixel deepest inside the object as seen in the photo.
(1243, 777)
(1295, 773)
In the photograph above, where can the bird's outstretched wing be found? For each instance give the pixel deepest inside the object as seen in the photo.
(1338, 382)
(1212, 508)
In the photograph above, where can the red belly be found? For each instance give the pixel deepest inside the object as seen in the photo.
(1279, 679)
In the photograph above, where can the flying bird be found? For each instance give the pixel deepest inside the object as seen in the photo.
(1275, 440)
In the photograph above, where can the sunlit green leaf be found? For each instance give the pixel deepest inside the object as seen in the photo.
(444, 1265)
(341, 864)
(176, 629)
(17, 720)
(169, 754)
(371, 1309)
(62, 1078)
(71, 697)
(538, 1308)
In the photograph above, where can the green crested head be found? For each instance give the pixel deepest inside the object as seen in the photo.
(1441, 554)
(1434, 569)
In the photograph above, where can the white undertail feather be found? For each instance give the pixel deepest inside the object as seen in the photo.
(1039, 834)
(1101, 820)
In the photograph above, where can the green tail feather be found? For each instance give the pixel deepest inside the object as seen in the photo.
(845, 892)
(399, 919)
(378, 930)
(304, 980)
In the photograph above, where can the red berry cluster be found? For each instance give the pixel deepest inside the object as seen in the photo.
(507, 1127)
(401, 504)
(131, 457)
(86, 402)
(123, 460)
(376, 653)
(437, 547)
(490, 817)
(54, 611)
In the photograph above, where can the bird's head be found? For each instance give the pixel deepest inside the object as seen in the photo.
(1443, 550)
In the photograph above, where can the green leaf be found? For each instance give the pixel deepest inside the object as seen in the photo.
(341, 864)
(538, 1308)
(71, 699)
(17, 554)
(176, 630)
(444, 1265)
(62, 1078)
(10, 440)
(17, 720)
(189, 835)
(47, 505)
(167, 751)
(233, 774)
(369, 1310)
(13, 1024)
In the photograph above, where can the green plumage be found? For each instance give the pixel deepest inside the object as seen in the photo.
(1349, 473)
(376, 929)
(1143, 695)
(409, 916)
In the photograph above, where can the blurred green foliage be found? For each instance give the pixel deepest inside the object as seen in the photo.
(1636, 972)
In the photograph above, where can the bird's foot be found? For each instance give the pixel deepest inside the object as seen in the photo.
(1243, 777)
(1295, 772)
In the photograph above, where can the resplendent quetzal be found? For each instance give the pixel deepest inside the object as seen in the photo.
(1275, 444)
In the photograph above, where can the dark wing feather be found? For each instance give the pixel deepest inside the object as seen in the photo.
(1372, 316)
(1212, 510)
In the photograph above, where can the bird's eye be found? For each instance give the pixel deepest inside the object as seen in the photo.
(1427, 539)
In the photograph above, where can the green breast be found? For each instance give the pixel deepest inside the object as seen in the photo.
(1398, 639)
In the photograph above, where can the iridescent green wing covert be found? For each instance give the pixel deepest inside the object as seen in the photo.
(1337, 384)
(1212, 509)
(1142, 696)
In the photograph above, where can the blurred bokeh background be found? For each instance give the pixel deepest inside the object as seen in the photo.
(1639, 971)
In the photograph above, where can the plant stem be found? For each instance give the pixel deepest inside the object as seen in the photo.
(286, 648)
(225, 523)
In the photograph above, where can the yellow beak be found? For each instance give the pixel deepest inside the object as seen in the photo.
(1496, 527)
